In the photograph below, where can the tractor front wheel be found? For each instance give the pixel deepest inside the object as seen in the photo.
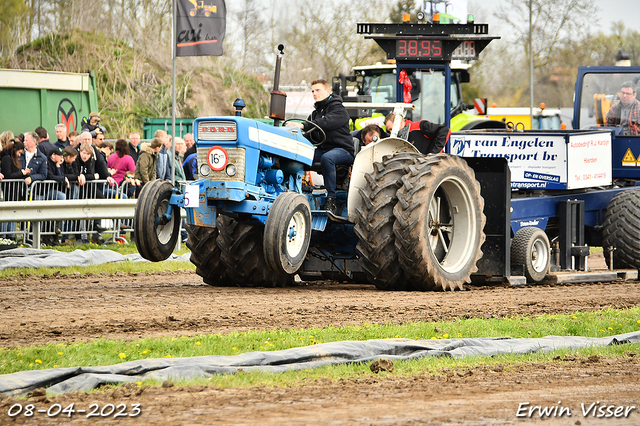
(287, 233)
(155, 233)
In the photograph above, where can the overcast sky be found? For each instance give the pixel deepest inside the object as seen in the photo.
(627, 11)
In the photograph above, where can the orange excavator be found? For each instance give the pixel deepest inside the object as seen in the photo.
(199, 8)
(602, 104)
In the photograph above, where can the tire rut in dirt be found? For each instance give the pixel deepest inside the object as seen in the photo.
(439, 223)
(205, 254)
(242, 254)
(621, 229)
(375, 219)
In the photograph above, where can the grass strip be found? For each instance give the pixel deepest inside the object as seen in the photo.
(104, 268)
(107, 352)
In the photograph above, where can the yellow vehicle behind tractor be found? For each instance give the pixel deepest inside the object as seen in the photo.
(199, 8)
(543, 118)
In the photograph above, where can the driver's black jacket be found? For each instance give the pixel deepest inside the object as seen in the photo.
(333, 118)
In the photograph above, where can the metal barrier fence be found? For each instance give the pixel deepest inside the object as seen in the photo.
(14, 190)
(48, 229)
(48, 190)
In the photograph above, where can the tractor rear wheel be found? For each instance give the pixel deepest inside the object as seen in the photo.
(621, 229)
(242, 254)
(439, 223)
(530, 247)
(155, 235)
(374, 222)
(205, 254)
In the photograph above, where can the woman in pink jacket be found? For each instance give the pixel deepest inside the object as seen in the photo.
(121, 161)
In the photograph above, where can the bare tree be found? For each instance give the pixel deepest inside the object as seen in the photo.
(554, 24)
(324, 41)
(252, 33)
(557, 25)
(14, 32)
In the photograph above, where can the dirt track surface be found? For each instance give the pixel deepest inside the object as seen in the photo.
(37, 310)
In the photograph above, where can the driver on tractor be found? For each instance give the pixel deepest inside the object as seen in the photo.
(332, 117)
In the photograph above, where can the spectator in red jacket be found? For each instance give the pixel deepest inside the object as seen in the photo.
(427, 137)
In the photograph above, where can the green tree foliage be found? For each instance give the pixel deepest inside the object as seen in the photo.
(556, 86)
(603, 48)
(133, 49)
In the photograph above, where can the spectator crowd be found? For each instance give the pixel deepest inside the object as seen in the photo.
(76, 160)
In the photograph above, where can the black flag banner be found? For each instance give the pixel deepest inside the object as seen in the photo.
(200, 27)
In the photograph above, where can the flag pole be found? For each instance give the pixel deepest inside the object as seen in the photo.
(173, 95)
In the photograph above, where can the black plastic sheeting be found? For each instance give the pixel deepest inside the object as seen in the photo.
(61, 380)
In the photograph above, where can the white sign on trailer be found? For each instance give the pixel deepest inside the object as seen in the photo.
(589, 160)
(536, 161)
(544, 160)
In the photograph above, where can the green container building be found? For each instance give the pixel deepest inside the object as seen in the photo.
(29, 99)
(150, 125)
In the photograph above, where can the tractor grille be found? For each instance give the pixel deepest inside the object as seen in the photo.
(217, 131)
(236, 157)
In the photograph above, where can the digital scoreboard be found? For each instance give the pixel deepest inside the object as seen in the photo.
(412, 48)
(426, 49)
(409, 48)
(429, 42)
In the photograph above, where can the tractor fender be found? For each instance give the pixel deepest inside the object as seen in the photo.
(363, 164)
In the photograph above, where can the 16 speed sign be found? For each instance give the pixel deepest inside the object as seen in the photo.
(217, 158)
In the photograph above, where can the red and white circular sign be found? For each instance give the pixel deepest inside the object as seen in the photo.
(217, 158)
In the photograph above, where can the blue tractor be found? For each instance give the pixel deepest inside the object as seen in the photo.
(252, 220)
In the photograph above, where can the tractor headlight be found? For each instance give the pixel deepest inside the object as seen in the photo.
(205, 170)
(231, 170)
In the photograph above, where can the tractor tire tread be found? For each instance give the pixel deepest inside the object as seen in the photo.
(621, 229)
(374, 222)
(420, 268)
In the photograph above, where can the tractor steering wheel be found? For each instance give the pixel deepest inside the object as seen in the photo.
(315, 127)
